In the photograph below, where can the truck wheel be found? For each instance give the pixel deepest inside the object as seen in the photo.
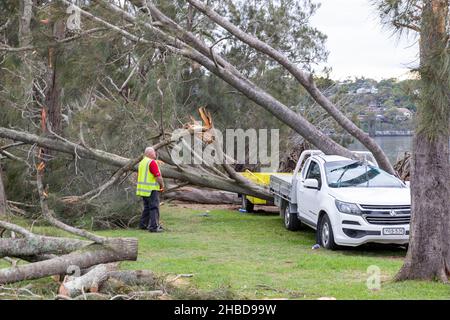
(291, 221)
(246, 204)
(325, 234)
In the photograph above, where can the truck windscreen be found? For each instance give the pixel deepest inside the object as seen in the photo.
(349, 173)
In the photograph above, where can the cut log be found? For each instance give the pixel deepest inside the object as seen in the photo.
(107, 279)
(114, 250)
(89, 282)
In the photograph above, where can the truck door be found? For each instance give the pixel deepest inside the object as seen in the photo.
(309, 199)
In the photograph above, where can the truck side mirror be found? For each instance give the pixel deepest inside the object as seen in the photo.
(311, 184)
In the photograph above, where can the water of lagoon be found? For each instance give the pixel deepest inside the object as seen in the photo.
(393, 146)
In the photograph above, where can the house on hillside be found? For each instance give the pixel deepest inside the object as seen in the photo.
(365, 90)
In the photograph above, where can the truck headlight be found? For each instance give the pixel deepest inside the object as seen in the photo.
(349, 208)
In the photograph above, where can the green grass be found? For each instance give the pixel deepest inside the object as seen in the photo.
(255, 257)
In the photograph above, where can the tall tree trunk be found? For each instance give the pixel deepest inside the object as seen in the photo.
(53, 95)
(428, 254)
(3, 204)
(25, 39)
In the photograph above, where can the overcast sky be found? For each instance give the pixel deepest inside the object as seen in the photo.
(359, 45)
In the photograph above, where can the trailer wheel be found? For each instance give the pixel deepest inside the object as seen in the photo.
(247, 205)
(291, 222)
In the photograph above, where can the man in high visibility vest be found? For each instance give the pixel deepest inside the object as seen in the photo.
(150, 183)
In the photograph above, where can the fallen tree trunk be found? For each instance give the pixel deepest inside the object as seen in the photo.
(193, 176)
(190, 194)
(112, 251)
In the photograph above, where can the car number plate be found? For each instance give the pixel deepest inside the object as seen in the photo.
(393, 231)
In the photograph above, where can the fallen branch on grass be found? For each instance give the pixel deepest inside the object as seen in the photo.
(111, 251)
(106, 278)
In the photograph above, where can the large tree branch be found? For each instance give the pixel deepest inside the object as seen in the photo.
(192, 176)
(304, 78)
(253, 92)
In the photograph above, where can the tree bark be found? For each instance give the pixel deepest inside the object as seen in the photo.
(116, 250)
(428, 249)
(25, 39)
(53, 94)
(428, 256)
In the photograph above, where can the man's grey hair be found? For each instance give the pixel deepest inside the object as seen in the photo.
(149, 149)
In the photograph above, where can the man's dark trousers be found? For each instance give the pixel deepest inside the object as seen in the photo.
(151, 212)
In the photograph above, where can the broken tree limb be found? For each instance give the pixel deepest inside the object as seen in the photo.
(192, 176)
(112, 251)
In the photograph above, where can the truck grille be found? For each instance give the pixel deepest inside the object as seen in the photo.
(387, 215)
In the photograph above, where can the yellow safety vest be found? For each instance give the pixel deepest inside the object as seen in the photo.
(146, 180)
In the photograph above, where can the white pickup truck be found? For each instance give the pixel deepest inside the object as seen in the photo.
(348, 202)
